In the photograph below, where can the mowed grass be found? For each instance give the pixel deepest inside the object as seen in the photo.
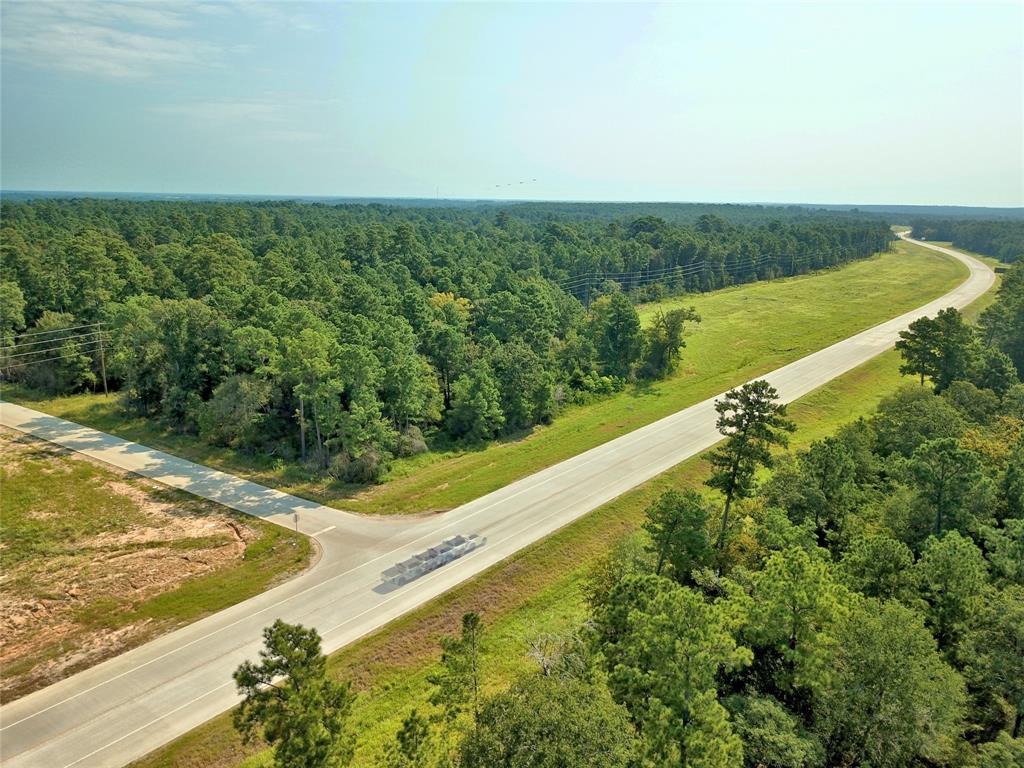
(746, 331)
(94, 552)
(537, 590)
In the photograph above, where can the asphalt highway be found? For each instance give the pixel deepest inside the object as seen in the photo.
(123, 708)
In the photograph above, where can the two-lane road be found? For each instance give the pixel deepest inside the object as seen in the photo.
(129, 705)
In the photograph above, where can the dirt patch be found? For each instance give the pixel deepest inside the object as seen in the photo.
(84, 545)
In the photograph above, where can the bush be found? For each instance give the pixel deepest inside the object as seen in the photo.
(367, 467)
(410, 442)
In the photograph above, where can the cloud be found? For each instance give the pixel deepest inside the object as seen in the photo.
(278, 14)
(283, 117)
(224, 111)
(115, 40)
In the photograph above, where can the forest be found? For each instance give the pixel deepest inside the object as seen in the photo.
(342, 336)
(1001, 239)
(856, 603)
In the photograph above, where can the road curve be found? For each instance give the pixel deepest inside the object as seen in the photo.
(123, 708)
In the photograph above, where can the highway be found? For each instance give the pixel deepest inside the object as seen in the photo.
(121, 709)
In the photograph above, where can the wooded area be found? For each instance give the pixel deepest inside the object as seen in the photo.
(343, 335)
(862, 605)
(1003, 240)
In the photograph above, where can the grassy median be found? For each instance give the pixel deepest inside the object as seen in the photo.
(746, 331)
(536, 590)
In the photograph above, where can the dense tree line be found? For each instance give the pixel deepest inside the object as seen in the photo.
(946, 350)
(1003, 239)
(863, 604)
(342, 334)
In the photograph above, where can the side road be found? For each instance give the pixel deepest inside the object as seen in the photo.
(123, 708)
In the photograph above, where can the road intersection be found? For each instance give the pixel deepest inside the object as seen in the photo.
(123, 708)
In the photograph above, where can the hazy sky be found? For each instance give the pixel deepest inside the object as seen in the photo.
(882, 102)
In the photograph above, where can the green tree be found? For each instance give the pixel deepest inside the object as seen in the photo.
(57, 362)
(289, 699)
(236, 412)
(878, 566)
(797, 603)
(1013, 481)
(447, 345)
(773, 737)
(977, 405)
(412, 747)
(1002, 323)
(752, 422)
(942, 348)
(664, 647)
(993, 650)
(890, 700)
(548, 722)
(95, 281)
(819, 488)
(527, 396)
(912, 416)
(677, 525)
(1004, 752)
(995, 371)
(917, 346)
(12, 322)
(311, 358)
(409, 389)
(952, 578)
(618, 337)
(1004, 548)
(12, 312)
(457, 683)
(945, 474)
(665, 339)
(476, 404)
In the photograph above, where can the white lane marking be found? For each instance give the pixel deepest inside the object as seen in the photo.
(143, 727)
(318, 585)
(325, 530)
(435, 575)
(576, 463)
(666, 423)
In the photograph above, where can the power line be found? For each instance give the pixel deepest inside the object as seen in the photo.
(686, 269)
(55, 340)
(649, 275)
(62, 330)
(61, 345)
(79, 353)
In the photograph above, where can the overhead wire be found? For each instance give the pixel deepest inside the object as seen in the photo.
(693, 268)
(62, 330)
(64, 343)
(76, 353)
(679, 271)
(57, 339)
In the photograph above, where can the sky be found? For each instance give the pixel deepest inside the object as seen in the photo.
(826, 102)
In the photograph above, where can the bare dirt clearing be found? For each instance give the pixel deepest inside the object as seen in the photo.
(95, 561)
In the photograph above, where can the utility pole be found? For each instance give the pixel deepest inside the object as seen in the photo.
(103, 364)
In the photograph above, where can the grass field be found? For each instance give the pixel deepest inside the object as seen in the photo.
(535, 591)
(746, 331)
(95, 561)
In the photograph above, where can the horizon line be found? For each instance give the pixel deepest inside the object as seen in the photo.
(277, 197)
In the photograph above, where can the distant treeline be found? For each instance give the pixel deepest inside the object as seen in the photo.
(1003, 240)
(344, 333)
